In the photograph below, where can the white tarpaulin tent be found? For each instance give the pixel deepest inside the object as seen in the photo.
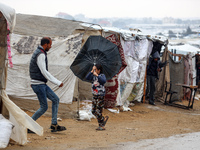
(26, 37)
(60, 57)
(137, 48)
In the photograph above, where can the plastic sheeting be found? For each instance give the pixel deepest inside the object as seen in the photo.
(22, 119)
(19, 132)
(136, 55)
(60, 57)
(9, 14)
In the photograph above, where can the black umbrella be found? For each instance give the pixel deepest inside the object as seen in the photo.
(97, 50)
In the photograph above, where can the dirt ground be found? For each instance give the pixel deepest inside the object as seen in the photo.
(144, 122)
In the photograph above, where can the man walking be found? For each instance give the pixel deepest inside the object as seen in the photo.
(39, 75)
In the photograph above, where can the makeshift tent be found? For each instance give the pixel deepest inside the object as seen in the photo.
(25, 39)
(68, 37)
(19, 118)
(136, 48)
(180, 70)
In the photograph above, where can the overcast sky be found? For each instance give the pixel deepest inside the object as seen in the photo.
(109, 8)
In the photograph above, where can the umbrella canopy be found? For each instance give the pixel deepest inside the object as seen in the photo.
(97, 50)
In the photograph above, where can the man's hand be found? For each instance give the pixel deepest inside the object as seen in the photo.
(159, 70)
(61, 85)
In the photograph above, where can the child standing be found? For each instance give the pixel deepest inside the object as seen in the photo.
(98, 80)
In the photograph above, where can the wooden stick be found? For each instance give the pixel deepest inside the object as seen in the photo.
(144, 91)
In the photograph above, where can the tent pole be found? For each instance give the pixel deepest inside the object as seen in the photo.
(78, 103)
(1, 105)
(144, 91)
(78, 107)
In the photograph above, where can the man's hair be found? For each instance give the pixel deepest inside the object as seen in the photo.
(99, 67)
(45, 40)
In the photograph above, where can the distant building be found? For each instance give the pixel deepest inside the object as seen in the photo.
(64, 16)
(168, 20)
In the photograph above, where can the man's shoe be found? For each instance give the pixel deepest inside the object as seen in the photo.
(56, 127)
(29, 131)
(100, 128)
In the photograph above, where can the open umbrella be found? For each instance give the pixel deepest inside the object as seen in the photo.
(97, 50)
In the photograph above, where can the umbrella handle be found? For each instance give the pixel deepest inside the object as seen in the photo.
(92, 25)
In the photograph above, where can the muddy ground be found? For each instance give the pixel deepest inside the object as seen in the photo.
(144, 122)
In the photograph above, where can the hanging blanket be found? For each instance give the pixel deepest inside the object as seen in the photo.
(112, 85)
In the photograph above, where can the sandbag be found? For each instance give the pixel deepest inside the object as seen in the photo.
(6, 130)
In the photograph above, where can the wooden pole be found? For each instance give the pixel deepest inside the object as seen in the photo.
(144, 91)
(78, 103)
(1, 105)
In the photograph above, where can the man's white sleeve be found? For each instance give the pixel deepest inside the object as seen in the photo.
(42, 65)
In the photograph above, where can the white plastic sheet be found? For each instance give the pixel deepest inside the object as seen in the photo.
(132, 77)
(21, 118)
(85, 113)
(19, 132)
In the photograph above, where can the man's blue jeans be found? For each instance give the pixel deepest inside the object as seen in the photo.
(43, 92)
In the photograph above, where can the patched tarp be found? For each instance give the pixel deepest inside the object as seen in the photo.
(136, 54)
(60, 57)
